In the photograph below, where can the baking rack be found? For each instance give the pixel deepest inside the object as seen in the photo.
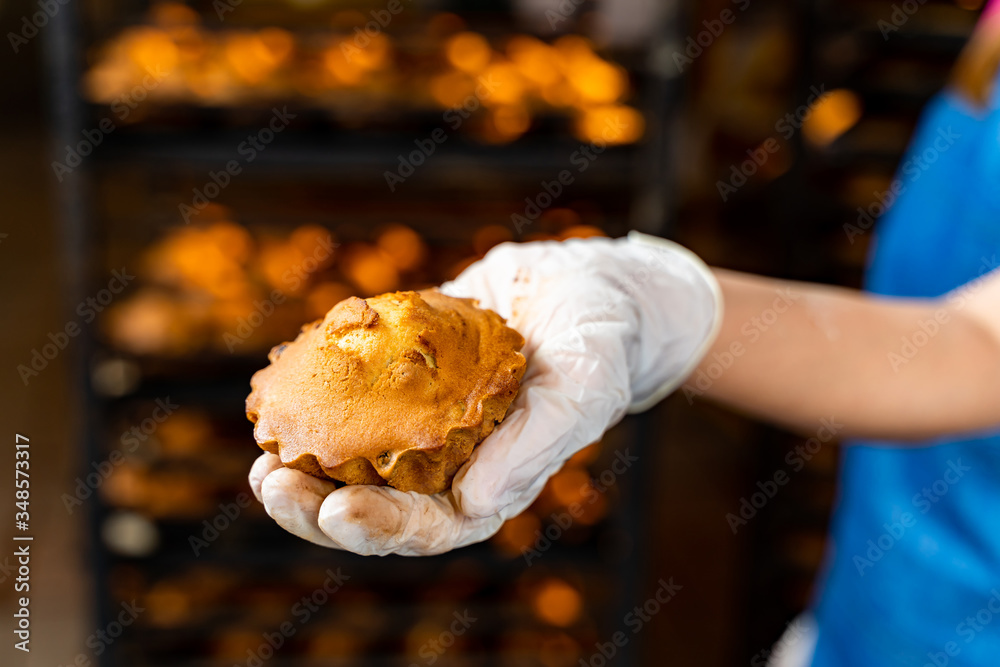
(207, 610)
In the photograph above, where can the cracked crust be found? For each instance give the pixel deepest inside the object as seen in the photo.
(396, 389)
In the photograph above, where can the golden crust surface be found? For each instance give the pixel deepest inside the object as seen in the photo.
(398, 388)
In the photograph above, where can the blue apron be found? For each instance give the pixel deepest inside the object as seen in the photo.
(913, 571)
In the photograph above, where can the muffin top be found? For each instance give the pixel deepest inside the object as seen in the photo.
(396, 388)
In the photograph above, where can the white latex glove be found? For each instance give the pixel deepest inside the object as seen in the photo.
(610, 326)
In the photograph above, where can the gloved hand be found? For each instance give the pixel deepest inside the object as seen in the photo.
(609, 326)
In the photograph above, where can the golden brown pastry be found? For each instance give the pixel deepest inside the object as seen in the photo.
(395, 389)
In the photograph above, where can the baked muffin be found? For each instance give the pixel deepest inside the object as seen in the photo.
(396, 389)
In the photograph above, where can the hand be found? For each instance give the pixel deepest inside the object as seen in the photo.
(609, 325)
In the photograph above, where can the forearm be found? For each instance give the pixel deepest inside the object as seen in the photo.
(793, 353)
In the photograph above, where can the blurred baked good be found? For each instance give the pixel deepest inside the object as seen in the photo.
(398, 389)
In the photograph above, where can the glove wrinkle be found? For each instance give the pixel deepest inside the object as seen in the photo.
(609, 326)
